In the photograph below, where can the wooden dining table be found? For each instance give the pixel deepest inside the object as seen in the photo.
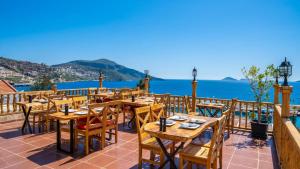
(212, 108)
(138, 102)
(103, 95)
(71, 117)
(28, 108)
(177, 134)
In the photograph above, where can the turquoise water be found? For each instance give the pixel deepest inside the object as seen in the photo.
(206, 88)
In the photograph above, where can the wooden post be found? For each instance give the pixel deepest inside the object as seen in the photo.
(54, 88)
(100, 81)
(194, 95)
(276, 93)
(146, 83)
(286, 93)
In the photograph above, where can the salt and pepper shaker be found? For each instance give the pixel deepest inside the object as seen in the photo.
(162, 124)
(132, 98)
(66, 109)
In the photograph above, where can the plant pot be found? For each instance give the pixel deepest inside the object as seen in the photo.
(259, 130)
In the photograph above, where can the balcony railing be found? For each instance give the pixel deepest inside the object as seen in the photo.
(245, 111)
(287, 140)
(286, 136)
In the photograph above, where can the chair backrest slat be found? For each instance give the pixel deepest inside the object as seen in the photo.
(188, 105)
(79, 101)
(143, 116)
(157, 111)
(100, 113)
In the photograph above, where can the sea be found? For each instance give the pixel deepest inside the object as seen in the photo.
(206, 88)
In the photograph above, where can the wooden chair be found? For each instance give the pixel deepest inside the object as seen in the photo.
(127, 110)
(55, 106)
(188, 106)
(230, 116)
(162, 99)
(146, 142)
(157, 111)
(208, 154)
(98, 123)
(79, 101)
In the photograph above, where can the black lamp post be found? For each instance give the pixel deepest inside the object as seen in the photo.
(285, 70)
(276, 75)
(194, 73)
(146, 73)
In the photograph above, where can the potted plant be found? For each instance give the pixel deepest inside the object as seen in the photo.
(260, 84)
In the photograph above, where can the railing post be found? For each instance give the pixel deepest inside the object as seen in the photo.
(146, 83)
(194, 95)
(54, 88)
(100, 81)
(286, 92)
(276, 93)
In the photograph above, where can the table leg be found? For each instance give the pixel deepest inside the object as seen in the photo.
(170, 156)
(58, 135)
(209, 112)
(215, 114)
(202, 112)
(71, 136)
(26, 120)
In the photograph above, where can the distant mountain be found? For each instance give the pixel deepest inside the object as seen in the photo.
(90, 70)
(25, 72)
(229, 79)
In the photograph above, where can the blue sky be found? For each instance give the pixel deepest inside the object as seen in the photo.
(168, 37)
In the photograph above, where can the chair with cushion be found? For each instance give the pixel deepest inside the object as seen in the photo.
(101, 118)
(146, 142)
(207, 154)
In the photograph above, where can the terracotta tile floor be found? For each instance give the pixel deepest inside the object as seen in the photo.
(39, 151)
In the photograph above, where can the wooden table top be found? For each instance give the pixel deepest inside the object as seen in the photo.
(176, 133)
(106, 94)
(70, 116)
(33, 104)
(139, 101)
(211, 105)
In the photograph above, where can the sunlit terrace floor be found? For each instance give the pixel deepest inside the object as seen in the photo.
(39, 151)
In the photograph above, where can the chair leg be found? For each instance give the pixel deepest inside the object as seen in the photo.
(116, 134)
(189, 165)
(152, 158)
(232, 122)
(221, 158)
(86, 145)
(181, 163)
(215, 164)
(161, 158)
(140, 157)
(33, 121)
(103, 140)
(123, 118)
(39, 122)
